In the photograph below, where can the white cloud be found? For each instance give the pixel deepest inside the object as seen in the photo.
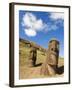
(38, 25)
(56, 16)
(57, 20)
(29, 20)
(32, 24)
(30, 32)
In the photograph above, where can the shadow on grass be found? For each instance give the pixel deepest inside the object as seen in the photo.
(38, 65)
(60, 70)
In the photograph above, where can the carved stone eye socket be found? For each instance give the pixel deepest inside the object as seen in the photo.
(55, 50)
(52, 49)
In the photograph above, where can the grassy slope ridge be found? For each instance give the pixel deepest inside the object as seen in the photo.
(24, 49)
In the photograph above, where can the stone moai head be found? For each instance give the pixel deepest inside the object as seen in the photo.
(33, 56)
(53, 52)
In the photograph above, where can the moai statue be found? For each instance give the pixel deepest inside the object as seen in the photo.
(51, 63)
(32, 57)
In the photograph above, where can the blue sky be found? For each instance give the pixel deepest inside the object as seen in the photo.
(41, 27)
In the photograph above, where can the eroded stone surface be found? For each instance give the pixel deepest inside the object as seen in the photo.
(51, 63)
(32, 57)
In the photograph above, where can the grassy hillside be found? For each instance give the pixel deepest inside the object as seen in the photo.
(24, 50)
(26, 72)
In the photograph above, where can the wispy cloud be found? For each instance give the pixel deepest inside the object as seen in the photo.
(57, 20)
(30, 32)
(56, 16)
(32, 25)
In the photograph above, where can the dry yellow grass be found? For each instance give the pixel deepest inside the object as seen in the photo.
(26, 72)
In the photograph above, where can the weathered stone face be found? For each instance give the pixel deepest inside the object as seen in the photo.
(53, 52)
(50, 65)
(32, 57)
